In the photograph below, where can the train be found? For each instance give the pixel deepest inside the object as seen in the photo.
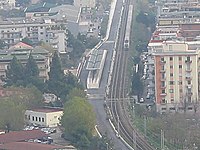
(128, 28)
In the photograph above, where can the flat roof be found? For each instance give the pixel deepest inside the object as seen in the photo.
(94, 62)
(46, 110)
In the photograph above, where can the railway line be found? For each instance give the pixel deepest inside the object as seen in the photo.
(117, 96)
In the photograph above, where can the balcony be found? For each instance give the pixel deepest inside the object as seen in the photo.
(188, 69)
(189, 94)
(162, 70)
(188, 78)
(189, 86)
(188, 61)
(162, 62)
(163, 94)
(163, 87)
(163, 79)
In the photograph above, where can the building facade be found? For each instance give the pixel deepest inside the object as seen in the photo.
(44, 117)
(22, 51)
(36, 30)
(176, 77)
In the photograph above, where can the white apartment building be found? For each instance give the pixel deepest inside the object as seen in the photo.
(44, 117)
(176, 77)
(36, 30)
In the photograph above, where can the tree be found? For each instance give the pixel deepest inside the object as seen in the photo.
(11, 115)
(15, 72)
(13, 106)
(2, 44)
(56, 73)
(78, 121)
(137, 85)
(31, 68)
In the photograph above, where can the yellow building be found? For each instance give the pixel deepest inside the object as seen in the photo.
(44, 117)
(176, 77)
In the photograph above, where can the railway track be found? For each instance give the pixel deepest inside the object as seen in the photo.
(118, 93)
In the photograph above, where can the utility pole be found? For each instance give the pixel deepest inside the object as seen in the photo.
(162, 140)
(145, 125)
(118, 124)
(134, 140)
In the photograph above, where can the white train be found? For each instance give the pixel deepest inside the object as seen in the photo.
(128, 28)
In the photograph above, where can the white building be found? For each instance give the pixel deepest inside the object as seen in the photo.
(13, 31)
(44, 117)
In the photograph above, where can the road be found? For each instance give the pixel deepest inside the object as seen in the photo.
(96, 97)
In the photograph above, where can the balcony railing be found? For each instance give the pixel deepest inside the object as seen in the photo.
(163, 94)
(162, 70)
(188, 61)
(188, 78)
(188, 69)
(162, 62)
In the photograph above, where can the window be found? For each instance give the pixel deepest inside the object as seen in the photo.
(163, 91)
(42, 119)
(29, 117)
(162, 59)
(170, 58)
(180, 66)
(163, 75)
(171, 67)
(171, 90)
(163, 67)
(163, 83)
(181, 90)
(188, 58)
(41, 27)
(189, 82)
(172, 100)
(171, 74)
(41, 33)
(39, 119)
(33, 118)
(171, 82)
(180, 82)
(179, 58)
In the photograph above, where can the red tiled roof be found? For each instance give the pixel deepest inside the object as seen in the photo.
(17, 136)
(29, 146)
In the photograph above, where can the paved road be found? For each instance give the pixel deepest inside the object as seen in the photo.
(96, 96)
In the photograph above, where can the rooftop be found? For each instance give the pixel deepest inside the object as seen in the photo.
(30, 146)
(47, 110)
(17, 136)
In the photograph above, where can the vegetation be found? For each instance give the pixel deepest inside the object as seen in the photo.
(137, 85)
(14, 104)
(14, 13)
(104, 24)
(78, 121)
(2, 44)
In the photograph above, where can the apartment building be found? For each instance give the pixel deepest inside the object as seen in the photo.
(22, 52)
(13, 31)
(176, 77)
(4, 4)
